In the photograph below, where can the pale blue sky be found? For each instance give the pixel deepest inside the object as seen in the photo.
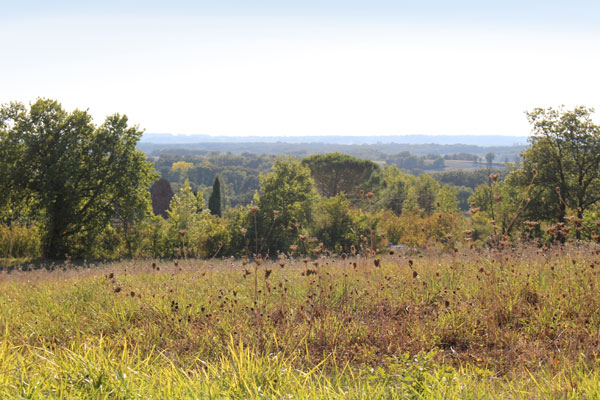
(304, 67)
(574, 11)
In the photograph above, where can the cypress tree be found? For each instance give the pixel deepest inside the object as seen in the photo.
(214, 201)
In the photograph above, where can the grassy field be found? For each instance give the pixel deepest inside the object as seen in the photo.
(457, 165)
(520, 323)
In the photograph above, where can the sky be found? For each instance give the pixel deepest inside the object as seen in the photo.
(295, 68)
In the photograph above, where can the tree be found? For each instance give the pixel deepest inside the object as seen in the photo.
(422, 195)
(333, 223)
(285, 205)
(14, 200)
(490, 157)
(186, 220)
(439, 163)
(214, 201)
(394, 188)
(565, 152)
(447, 199)
(80, 176)
(334, 173)
(181, 169)
(185, 209)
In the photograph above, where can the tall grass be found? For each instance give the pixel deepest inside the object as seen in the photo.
(516, 323)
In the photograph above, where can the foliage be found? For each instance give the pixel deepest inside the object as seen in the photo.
(80, 175)
(214, 201)
(504, 202)
(335, 173)
(462, 196)
(422, 196)
(334, 223)
(565, 152)
(374, 152)
(285, 206)
(238, 174)
(411, 162)
(413, 230)
(181, 168)
(394, 188)
(447, 199)
(79, 189)
(470, 179)
(20, 241)
(489, 158)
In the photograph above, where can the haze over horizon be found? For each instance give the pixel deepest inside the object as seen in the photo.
(476, 140)
(273, 68)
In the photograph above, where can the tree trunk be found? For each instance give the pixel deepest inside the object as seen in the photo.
(577, 228)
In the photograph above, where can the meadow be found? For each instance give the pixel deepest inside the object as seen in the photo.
(521, 322)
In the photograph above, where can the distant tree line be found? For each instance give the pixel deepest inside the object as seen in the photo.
(373, 152)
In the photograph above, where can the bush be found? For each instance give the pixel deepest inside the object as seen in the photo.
(422, 231)
(20, 241)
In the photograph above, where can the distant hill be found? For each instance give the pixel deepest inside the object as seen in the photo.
(374, 152)
(484, 141)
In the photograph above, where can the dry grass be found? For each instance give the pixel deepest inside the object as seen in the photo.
(494, 321)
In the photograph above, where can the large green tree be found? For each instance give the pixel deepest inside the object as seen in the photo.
(565, 152)
(285, 205)
(334, 173)
(81, 176)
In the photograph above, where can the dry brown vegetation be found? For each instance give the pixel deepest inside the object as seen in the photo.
(503, 311)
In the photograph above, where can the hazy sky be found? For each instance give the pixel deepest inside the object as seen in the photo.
(308, 67)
